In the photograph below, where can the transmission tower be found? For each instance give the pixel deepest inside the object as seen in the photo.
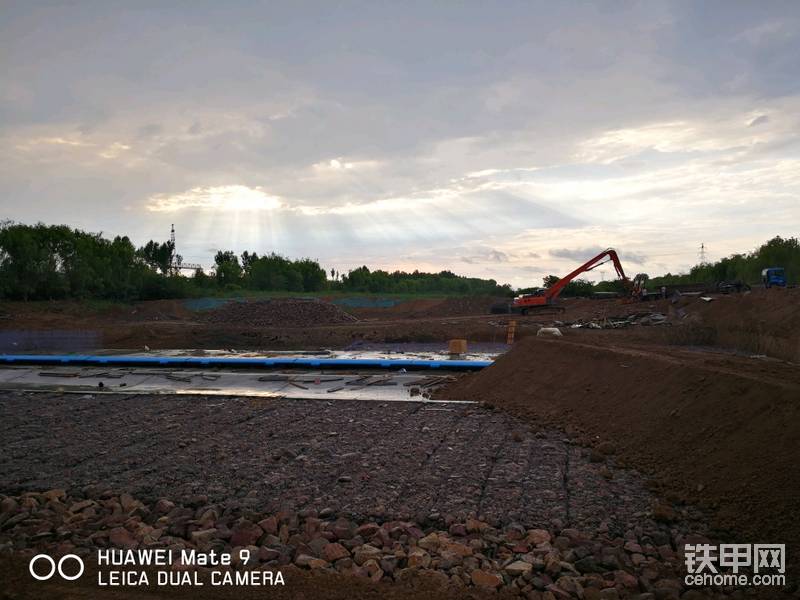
(702, 253)
(177, 265)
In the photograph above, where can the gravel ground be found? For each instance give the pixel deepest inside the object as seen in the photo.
(393, 460)
(459, 498)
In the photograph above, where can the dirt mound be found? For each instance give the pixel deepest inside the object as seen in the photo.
(720, 431)
(467, 305)
(761, 322)
(458, 306)
(277, 312)
(423, 308)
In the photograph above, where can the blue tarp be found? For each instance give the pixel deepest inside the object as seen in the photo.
(269, 363)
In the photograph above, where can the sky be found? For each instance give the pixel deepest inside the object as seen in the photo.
(504, 140)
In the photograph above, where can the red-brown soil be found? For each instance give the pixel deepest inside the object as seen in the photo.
(761, 322)
(278, 312)
(715, 429)
(421, 308)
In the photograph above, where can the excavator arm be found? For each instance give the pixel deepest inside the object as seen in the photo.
(553, 292)
(524, 303)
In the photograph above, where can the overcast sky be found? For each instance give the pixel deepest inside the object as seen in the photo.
(497, 139)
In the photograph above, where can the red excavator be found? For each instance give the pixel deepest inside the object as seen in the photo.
(546, 297)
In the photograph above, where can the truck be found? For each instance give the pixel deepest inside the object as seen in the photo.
(773, 276)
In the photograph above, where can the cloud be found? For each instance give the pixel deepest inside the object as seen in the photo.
(340, 164)
(389, 133)
(218, 198)
(582, 255)
(488, 255)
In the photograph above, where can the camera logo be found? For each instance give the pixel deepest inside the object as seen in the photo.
(55, 567)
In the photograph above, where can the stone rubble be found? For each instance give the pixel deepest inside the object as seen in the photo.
(537, 564)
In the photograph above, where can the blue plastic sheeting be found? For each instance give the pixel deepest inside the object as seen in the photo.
(269, 363)
(364, 302)
(208, 303)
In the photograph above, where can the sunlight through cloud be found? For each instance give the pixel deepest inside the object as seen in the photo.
(219, 198)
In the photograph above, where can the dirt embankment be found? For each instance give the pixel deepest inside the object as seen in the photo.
(423, 308)
(761, 321)
(286, 312)
(722, 431)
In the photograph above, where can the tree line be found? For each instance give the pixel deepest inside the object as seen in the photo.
(745, 267)
(49, 262)
(43, 262)
(400, 282)
(742, 267)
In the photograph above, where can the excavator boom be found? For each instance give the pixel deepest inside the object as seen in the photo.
(523, 303)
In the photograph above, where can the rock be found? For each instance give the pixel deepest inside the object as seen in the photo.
(389, 564)
(367, 530)
(418, 558)
(538, 536)
(245, 533)
(269, 525)
(570, 585)
(588, 565)
(366, 552)
(343, 529)
(318, 563)
(625, 579)
(475, 526)
(549, 332)
(429, 542)
(317, 544)
(664, 513)
(128, 503)
(448, 560)
(81, 506)
(456, 548)
(484, 579)
(8, 505)
(458, 529)
(552, 566)
(333, 552)
(303, 560)
(122, 538)
(267, 554)
(562, 542)
(633, 547)
(518, 568)
(373, 569)
(203, 536)
(163, 506)
(436, 579)
(54, 495)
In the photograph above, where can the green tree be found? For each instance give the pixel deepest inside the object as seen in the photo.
(228, 269)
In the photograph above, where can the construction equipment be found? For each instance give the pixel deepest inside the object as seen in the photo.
(774, 276)
(546, 297)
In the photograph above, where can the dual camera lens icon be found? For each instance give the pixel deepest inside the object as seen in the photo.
(52, 567)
